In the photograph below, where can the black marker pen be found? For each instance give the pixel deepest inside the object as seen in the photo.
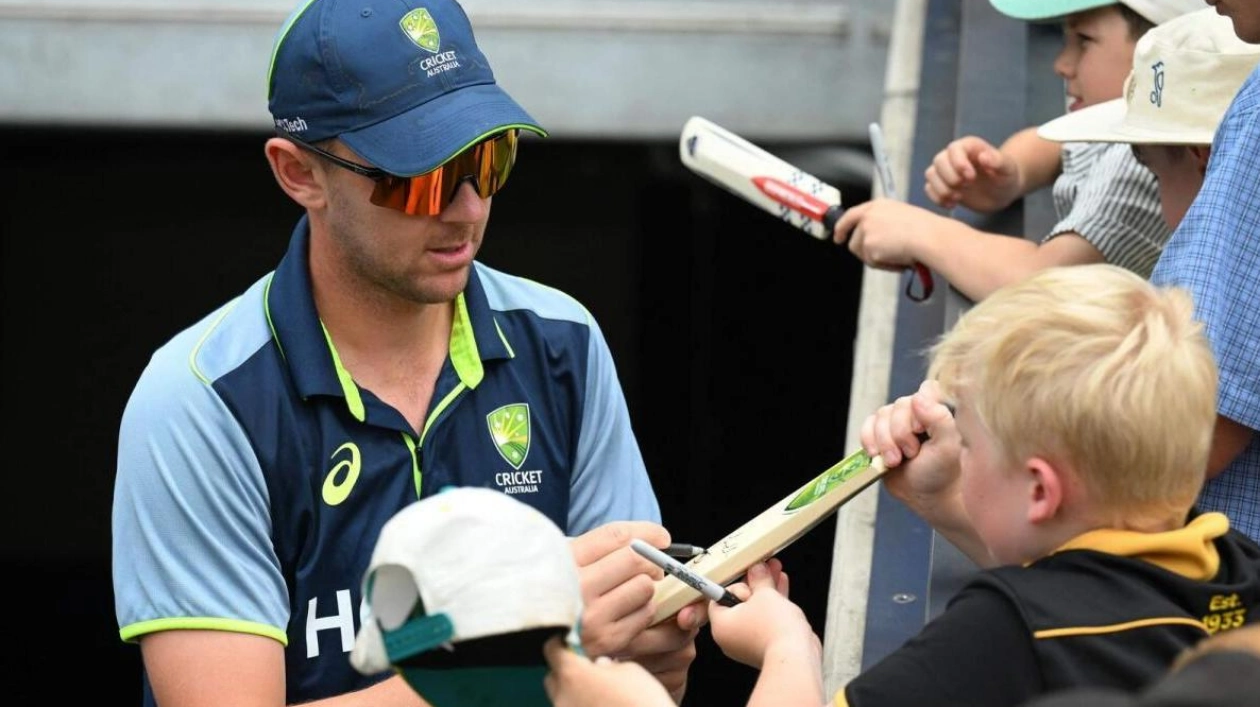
(700, 583)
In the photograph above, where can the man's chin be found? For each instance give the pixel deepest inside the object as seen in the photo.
(445, 287)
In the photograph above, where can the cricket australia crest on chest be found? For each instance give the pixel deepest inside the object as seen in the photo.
(511, 433)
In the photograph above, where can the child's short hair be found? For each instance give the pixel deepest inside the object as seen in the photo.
(1092, 366)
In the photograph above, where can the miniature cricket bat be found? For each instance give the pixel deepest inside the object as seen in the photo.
(770, 183)
(769, 532)
(751, 173)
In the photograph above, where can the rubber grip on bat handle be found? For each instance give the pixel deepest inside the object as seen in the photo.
(924, 276)
(830, 217)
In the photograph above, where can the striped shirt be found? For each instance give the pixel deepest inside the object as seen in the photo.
(1215, 254)
(1111, 201)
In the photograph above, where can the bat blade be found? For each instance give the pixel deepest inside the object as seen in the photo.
(755, 175)
(769, 532)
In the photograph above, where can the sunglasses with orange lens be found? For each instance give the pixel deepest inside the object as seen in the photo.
(486, 164)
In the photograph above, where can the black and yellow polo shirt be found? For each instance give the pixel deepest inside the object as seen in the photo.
(1110, 608)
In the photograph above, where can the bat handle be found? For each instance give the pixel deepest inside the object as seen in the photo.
(830, 218)
(921, 274)
(924, 277)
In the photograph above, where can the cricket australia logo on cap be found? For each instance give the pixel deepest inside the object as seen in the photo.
(420, 28)
(509, 428)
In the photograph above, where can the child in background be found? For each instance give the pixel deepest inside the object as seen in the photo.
(1185, 74)
(1084, 399)
(1183, 82)
(1107, 204)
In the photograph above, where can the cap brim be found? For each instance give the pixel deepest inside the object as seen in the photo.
(1105, 122)
(1045, 10)
(421, 139)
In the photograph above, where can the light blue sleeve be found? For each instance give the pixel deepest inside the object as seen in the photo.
(609, 480)
(191, 520)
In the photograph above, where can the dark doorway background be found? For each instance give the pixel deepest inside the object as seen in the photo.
(733, 335)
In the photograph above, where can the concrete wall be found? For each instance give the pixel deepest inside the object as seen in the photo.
(593, 69)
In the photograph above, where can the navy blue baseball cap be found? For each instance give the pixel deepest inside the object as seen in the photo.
(400, 82)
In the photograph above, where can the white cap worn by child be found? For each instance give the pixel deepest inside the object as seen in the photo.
(1185, 74)
(462, 590)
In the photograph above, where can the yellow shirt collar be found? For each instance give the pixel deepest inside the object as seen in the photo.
(1188, 551)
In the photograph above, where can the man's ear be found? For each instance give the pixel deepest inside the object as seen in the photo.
(1200, 154)
(294, 171)
(1047, 486)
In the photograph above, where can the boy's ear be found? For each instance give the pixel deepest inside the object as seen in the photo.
(1200, 154)
(1047, 486)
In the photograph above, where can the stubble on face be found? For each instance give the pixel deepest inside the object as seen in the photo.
(382, 253)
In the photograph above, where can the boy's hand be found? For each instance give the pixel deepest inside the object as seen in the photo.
(975, 174)
(576, 681)
(886, 234)
(892, 432)
(745, 632)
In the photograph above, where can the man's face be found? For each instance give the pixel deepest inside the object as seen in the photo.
(422, 259)
(1245, 15)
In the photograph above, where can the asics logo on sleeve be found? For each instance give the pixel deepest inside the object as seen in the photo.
(341, 478)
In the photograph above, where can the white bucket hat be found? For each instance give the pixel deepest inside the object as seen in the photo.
(1185, 74)
(1156, 11)
(462, 590)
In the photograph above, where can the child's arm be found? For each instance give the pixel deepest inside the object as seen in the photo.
(971, 172)
(894, 235)
(924, 476)
(769, 632)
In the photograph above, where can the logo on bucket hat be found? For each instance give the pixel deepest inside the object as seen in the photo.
(401, 82)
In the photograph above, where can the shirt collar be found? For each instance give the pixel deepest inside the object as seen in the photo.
(1189, 551)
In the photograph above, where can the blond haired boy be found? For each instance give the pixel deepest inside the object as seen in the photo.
(1083, 406)
(1106, 204)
